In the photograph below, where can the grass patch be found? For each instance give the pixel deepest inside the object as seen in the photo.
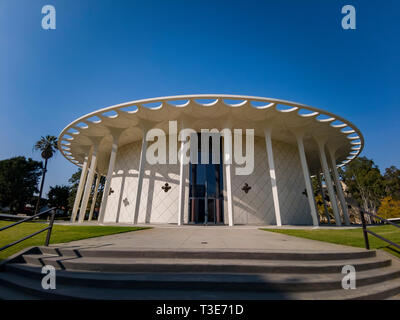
(59, 234)
(349, 237)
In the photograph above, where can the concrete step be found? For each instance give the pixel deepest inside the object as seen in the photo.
(206, 254)
(93, 273)
(10, 293)
(240, 282)
(148, 265)
(13, 282)
(383, 290)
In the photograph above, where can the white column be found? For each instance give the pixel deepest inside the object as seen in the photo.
(339, 189)
(89, 184)
(323, 198)
(304, 165)
(229, 194)
(271, 164)
(94, 198)
(140, 177)
(182, 180)
(107, 184)
(328, 181)
(227, 162)
(79, 191)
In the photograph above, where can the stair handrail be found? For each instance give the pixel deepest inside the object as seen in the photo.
(49, 228)
(366, 231)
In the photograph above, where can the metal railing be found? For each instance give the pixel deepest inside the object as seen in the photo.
(366, 231)
(48, 228)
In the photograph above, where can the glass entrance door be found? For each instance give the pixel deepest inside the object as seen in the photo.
(205, 195)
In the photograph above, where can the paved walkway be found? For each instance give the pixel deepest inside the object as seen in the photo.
(203, 237)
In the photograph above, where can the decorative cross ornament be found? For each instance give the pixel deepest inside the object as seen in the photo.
(246, 188)
(166, 187)
(126, 202)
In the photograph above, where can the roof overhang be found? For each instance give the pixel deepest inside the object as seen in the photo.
(207, 111)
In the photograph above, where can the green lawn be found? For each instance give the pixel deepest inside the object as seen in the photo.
(349, 237)
(59, 234)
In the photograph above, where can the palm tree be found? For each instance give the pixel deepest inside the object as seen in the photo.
(48, 147)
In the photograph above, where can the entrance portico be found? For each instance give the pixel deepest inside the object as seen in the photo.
(206, 189)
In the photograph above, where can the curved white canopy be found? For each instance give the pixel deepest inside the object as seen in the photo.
(211, 111)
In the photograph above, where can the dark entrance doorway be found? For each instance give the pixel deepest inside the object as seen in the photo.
(206, 190)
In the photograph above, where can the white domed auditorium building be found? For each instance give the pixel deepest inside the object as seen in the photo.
(291, 143)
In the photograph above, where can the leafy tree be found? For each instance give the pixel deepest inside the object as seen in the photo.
(18, 181)
(365, 183)
(74, 182)
(100, 191)
(48, 147)
(392, 182)
(58, 197)
(321, 209)
(390, 208)
(315, 185)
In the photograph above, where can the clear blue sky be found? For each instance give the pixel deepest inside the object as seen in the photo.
(108, 52)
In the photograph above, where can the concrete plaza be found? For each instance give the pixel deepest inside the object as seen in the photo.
(207, 237)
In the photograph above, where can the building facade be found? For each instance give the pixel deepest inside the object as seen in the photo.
(291, 142)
